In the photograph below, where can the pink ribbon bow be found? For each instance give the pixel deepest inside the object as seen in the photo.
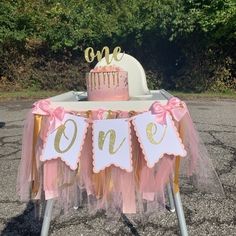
(175, 107)
(43, 107)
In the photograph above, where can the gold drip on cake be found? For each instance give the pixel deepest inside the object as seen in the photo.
(94, 80)
(117, 79)
(113, 77)
(108, 80)
(90, 81)
(104, 78)
(100, 77)
(98, 81)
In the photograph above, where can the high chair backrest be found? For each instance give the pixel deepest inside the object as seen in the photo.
(136, 75)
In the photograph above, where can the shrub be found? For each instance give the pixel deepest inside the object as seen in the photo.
(182, 44)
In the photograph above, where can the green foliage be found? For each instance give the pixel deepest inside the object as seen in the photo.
(74, 23)
(185, 44)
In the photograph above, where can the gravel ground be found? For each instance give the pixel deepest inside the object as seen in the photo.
(205, 214)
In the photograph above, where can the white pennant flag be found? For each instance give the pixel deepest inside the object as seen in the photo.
(66, 141)
(156, 139)
(111, 144)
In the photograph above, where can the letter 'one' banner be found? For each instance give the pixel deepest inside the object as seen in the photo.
(66, 141)
(156, 139)
(111, 144)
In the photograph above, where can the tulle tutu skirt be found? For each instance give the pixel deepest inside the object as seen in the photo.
(112, 189)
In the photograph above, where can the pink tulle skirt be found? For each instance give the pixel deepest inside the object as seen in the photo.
(112, 189)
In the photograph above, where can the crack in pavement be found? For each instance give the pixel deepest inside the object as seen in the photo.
(217, 131)
(9, 127)
(2, 142)
(232, 150)
(197, 122)
(12, 202)
(15, 145)
(14, 121)
(3, 156)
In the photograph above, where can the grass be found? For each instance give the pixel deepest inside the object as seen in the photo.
(34, 94)
(204, 95)
(27, 94)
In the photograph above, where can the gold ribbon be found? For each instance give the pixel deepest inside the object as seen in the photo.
(102, 182)
(177, 162)
(176, 176)
(35, 175)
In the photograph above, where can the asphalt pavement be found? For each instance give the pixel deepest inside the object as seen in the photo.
(205, 214)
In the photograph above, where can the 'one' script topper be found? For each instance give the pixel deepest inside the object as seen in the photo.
(89, 54)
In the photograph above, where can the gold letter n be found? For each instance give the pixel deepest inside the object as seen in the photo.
(102, 137)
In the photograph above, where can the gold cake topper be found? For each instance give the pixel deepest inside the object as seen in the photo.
(89, 54)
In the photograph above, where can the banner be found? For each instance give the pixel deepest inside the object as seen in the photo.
(111, 142)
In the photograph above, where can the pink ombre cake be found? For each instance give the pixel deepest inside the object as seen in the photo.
(107, 83)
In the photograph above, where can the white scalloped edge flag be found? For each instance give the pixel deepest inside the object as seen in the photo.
(156, 139)
(111, 144)
(66, 141)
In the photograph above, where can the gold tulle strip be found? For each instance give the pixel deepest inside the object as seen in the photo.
(177, 161)
(176, 176)
(102, 183)
(35, 175)
(137, 155)
(137, 160)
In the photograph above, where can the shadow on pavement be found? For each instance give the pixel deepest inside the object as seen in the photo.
(2, 124)
(25, 224)
(130, 225)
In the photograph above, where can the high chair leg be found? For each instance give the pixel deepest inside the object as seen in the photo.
(47, 217)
